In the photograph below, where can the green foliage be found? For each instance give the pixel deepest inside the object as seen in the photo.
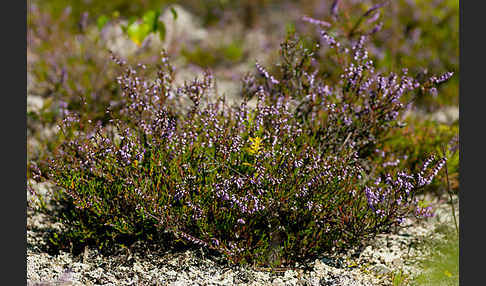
(233, 52)
(138, 30)
(442, 266)
(95, 228)
(399, 278)
(224, 54)
(96, 9)
(102, 21)
(199, 56)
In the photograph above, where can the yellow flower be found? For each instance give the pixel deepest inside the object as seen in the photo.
(448, 274)
(256, 145)
(136, 41)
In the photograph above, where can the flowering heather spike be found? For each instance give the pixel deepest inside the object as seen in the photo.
(315, 21)
(264, 72)
(375, 7)
(329, 40)
(423, 177)
(376, 28)
(374, 18)
(117, 60)
(443, 78)
(335, 8)
(454, 144)
(193, 239)
(424, 212)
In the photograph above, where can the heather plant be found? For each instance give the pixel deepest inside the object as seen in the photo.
(422, 35)
(413, 143)
(71, 73)
(404, 147)
(66, 70)
(363, 93)
(281, 177)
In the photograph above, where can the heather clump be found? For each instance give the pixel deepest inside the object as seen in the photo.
(70, 70)
(360, 110)
(421, 35)
(412, 145)
(276, 179)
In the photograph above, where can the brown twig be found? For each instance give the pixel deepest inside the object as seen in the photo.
(450, 193)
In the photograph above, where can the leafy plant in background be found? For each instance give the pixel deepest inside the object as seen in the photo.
(210, 11)
(95, 10)
(272, 184)
(139, 29)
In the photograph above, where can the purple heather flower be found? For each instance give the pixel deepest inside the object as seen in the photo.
(329, 39)
(215, 241)
(315, 21)
(264, 72)
(424, 212)
(442, 78)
